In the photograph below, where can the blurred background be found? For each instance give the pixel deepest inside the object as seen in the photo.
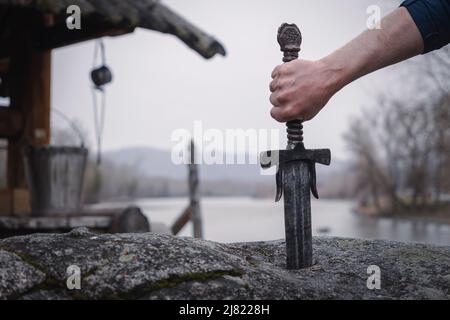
(389, 132)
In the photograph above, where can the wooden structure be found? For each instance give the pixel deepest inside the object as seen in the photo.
(29, 30)
(192, 211)
(123, 220)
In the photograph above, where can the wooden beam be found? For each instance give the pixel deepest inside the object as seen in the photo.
(50, 33)
(38, 98)
(15, 201)
(11, 123)
(182, 220)
(194, 194)
(59, 36)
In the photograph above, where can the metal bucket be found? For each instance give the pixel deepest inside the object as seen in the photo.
(55, 178)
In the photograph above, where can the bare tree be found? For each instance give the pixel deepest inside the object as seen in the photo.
(402, 146)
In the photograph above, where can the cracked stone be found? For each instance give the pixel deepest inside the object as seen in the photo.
(155, 266)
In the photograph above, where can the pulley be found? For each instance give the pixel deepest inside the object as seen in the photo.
(100, 76)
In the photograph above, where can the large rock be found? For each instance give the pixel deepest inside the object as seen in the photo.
(151, 266)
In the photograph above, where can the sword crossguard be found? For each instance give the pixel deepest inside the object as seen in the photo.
(279, 157)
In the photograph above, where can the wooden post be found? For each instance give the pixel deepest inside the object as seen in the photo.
(194, 198)
(182, 220)
(30, 76)
(30, 95)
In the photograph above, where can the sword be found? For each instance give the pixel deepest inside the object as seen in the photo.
(296, 171)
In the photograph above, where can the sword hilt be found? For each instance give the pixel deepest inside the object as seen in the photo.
(290, 39)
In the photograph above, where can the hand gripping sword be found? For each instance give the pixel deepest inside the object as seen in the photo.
(296, 172)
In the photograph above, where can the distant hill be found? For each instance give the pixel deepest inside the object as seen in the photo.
(224, 179)
(143, 172)
(157, 163)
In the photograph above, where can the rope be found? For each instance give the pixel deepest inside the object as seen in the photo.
(99, 118)
(99, 112)
(71, 124)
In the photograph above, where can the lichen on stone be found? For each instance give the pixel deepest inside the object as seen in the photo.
(152, 266)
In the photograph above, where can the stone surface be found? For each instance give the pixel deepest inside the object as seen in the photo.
(154, 266)
(17, 276)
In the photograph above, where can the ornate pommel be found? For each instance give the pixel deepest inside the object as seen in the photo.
(290, 39)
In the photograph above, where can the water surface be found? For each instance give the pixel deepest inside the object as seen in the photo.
(249, 219)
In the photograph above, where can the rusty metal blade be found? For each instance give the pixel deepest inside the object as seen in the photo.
(279, 181)
(297, 214)
(312, 172)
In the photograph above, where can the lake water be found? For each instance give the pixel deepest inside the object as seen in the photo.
(248, 219)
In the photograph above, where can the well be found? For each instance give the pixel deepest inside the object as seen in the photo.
(55, 178)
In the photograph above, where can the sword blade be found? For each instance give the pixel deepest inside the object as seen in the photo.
(297, 214)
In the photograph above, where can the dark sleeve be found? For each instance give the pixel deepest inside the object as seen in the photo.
(432, 17)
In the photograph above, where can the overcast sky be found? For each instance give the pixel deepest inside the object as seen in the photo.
(161, 85)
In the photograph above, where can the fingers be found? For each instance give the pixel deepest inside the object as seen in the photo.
(282, 114)
(273, 86)
(284, 69)
(277, 114)
(281, 76)
(284, 107)
(280, 84)
(281, 93)
(287, 114)
(281, 110)
(274, 99)
(279, 98)
(298, 90)
(275, 72)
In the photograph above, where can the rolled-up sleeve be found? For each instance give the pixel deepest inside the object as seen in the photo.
(432, 18)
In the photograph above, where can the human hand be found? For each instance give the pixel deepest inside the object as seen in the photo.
(301, 88)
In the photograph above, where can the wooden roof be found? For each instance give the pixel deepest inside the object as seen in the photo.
(47, 20)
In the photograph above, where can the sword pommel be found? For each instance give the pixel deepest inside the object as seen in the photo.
(290, 39)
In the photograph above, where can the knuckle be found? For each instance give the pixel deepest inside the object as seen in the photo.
(280, 82)
(288, 114)
(303, 114)
(283, 114)
(282, 69)
(285, 96)
(275, 114)
(285, 83)
(282, 99)
(291, 113)
(275, 71)
(273, 99)
(287, 68)
(273, 85)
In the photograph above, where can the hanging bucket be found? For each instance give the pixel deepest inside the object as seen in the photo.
(55, 178)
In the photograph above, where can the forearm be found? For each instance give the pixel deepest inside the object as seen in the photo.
(300, 88)
(397, 40)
